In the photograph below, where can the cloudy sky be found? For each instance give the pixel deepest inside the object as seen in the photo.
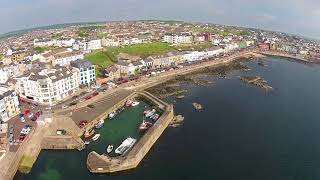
(294, 16)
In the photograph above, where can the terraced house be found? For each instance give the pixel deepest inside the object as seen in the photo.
(9, 105)
(48, 85)
(86, 70)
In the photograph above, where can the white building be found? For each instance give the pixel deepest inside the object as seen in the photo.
(43, 42)
(126, 67)
(110, 42)
(87, 72)
(9, 104)
(64, 59)
(64, 42)
(93, 44)
(183, 38)
(48, 86)
(4, 75)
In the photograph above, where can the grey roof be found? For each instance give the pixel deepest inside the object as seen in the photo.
(81, 63)
(123, 63)
(5, 94)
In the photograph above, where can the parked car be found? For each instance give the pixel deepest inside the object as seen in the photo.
(22, 137)
(34, 118)
(11, 140)
(64, 107)
(30, 115)
(61, 132)
(22, 119)
(11, 130)
(83, 123)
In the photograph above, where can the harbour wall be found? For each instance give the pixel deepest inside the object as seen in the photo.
(97, 163)
(62, 143)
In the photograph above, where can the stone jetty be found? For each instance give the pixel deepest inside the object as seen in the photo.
(257, 81)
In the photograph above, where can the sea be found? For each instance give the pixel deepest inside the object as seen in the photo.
(243, 133)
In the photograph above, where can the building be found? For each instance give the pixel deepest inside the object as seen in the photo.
(182, 38)
(4, 75)
(43, 42)
(126, 67)
(64, 42)
(48, 85)
(87, 71)
(111, 73)
(93, 44)
(64, 59)
(9, 104)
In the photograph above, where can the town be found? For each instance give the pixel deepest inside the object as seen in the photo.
(62, 72)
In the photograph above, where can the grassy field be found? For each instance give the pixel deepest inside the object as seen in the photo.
(108, 56)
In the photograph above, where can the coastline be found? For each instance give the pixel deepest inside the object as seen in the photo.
(196, 67)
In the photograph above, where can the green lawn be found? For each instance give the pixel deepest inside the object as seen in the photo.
(108, 56)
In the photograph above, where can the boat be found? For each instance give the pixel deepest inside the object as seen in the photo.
(129, 103)
(99, 124)
(125, 146)
(109, 148)
(88, 133)
(150, 113)
(96, 137)
(155, 117)
(135, 103)
(111, 115)
(145, 125)
(86, 143)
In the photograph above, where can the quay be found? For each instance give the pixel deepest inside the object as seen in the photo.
(97, 163)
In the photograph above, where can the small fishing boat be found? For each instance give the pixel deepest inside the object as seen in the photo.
(88, 133)
(150, 113)
(86, 143)
(99, 124)
(109, 148)
(155, 117)
(129, 103)
(135, 103)
(145, 125)
(96, 137)
(111, 115)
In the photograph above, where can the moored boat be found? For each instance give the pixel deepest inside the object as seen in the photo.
(88, 133)
(95, 137)
(125, 146)
(112, 115)
(129, 103)
(150, 113)
(135, 103)
(99, 124)
(145, 125)
(86, 143)
(109, 148)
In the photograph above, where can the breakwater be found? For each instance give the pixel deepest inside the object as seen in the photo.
(97, 163)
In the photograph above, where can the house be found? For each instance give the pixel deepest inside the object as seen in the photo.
(111, 73)
(125, 67)
(264, 47)
(93, 44)
(65, 58)
(4, 75)
(64, 42)
(43, 42)
(110, 42)
(9, 104)
(48, 85)
(148, 62)
(87, 72)
(181, 38)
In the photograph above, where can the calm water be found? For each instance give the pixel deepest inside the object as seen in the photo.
(244, 133)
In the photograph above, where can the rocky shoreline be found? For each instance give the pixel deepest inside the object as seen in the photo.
(257, 81)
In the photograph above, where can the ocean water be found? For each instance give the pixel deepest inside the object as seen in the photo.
(243, 133)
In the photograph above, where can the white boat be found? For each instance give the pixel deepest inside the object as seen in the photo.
(99, 124)
(135, 103)
(129, 103)
(96, 137)
(150, 113)
(109, 148)
(125, 146)
(86, 143)
(111, 115)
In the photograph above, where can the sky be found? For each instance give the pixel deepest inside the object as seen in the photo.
(292, 16)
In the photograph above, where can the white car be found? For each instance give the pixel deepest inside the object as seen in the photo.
(64, 107)
(30, 115)
(22, 119)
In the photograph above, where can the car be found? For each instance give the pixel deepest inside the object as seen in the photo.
(11, 140)
(38, 113)
(88, 97)
(61, 132)
(83, 123)
(30, 115)
(95, 94)
(90, 106)
(75, 97)
(64, 107)
(11, 130)
(22, 137)
(34, 118)
(72, 104)
(22, 119)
